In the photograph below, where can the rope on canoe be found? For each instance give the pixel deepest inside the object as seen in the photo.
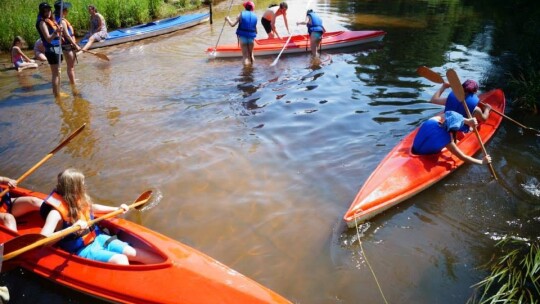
(367, 262)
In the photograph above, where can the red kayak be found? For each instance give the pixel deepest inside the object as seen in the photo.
(180, 274)
(299, 43)
(401, 174)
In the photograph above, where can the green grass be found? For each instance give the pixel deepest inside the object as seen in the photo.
(525, 86)
(514, 275)
(19, 16)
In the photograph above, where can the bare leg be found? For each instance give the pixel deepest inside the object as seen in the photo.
(245, 54)
(141, 255)
(70, 61)
(8, 220)
(89, 43)
(25, 204)
(55, 80)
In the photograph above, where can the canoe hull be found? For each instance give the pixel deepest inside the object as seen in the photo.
(151, 29)
(401, 174)
(179, 273)
(299, 43)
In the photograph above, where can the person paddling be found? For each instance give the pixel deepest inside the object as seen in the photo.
(440, 132)
(68, 205)
(268, 20)
(451, 103)
(315, 30)
(246, 32)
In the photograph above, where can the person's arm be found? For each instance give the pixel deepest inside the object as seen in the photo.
(100, 23)
(51, 223)
(103, 208)
(45, 31)
(8, 181)
(303, 22)
(232, 23)
(436, 98)
(480, 114)
(68, 37)
(273, 24)
(19, 51)
(286, 22)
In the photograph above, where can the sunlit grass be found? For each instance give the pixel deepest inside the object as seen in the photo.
(19, 16)
(514, 277)
(526, 88)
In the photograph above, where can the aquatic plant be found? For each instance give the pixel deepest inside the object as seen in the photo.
(514, 275)
(525, 86)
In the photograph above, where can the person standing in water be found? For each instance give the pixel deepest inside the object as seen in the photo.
(315, 30)
(268, 19)
(246, 32)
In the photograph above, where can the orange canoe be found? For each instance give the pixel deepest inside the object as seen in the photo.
(180, 273)
(298, 43)
(402, 174)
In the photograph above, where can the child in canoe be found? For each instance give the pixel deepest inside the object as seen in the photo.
(246, 32)
(451, 103)
(315, 30)
(440, 132)
(68, 205)
(10, 208)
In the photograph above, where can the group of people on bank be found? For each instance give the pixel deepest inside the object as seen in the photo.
(57, 41)
(247, 27)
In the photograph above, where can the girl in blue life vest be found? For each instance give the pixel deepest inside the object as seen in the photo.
(68, 205)
(451, 103)
(246, 32)
(315, 30)
(439, 132)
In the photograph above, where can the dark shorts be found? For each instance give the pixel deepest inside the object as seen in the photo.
(52, 54)
(267, 24)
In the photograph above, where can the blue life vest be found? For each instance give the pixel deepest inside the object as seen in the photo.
(51, 27)
(453, 104)
(248, 25)
(316, 23)
(5, 203)
(431, 138)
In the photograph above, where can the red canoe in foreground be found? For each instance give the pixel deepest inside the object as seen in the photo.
(299, 43)
(402, 174)
(180, 275)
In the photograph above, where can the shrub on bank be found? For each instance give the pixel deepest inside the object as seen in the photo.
(19, 16)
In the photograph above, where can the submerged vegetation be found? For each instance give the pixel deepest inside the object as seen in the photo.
(19, 16)
(514, 275)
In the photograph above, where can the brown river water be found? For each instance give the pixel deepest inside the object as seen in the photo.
(256, 166)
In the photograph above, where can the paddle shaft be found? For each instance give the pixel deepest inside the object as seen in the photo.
(46, 158)
(457, 88)
(143, 199)
(512, 120)
(100, 56)
(223, 27)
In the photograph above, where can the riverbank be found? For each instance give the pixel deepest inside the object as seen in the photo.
(20, 16)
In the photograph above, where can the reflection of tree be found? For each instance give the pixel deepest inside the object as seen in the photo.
(74, 115)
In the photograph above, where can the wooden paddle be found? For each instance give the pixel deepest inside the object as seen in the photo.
(100, 56)
(435, 77)
(457, 88)
(46, 158)
(26, 242)
(213, 54)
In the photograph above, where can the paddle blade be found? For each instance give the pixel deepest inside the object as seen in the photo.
(141, 200)
(102, 56)
(429, 74)
(21, 241)
(455, 84)
(67, 140)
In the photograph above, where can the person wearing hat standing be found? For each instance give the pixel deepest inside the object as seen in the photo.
(98, 28)
(50, 33)
(451, 103)
(246, 32)
(315, 30)
(439, 132)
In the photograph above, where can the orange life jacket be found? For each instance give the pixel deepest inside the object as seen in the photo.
(73, 242)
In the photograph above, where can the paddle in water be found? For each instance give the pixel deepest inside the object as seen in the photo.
(457, 88)
(27, 242)
(436, 78)
(100, 56)
(47, 157)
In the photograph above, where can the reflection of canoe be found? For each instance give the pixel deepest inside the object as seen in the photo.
(150, 29)
(402, 174)
(299, 43)
(180, 274)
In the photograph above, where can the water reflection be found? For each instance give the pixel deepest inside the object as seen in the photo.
(75, 112)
